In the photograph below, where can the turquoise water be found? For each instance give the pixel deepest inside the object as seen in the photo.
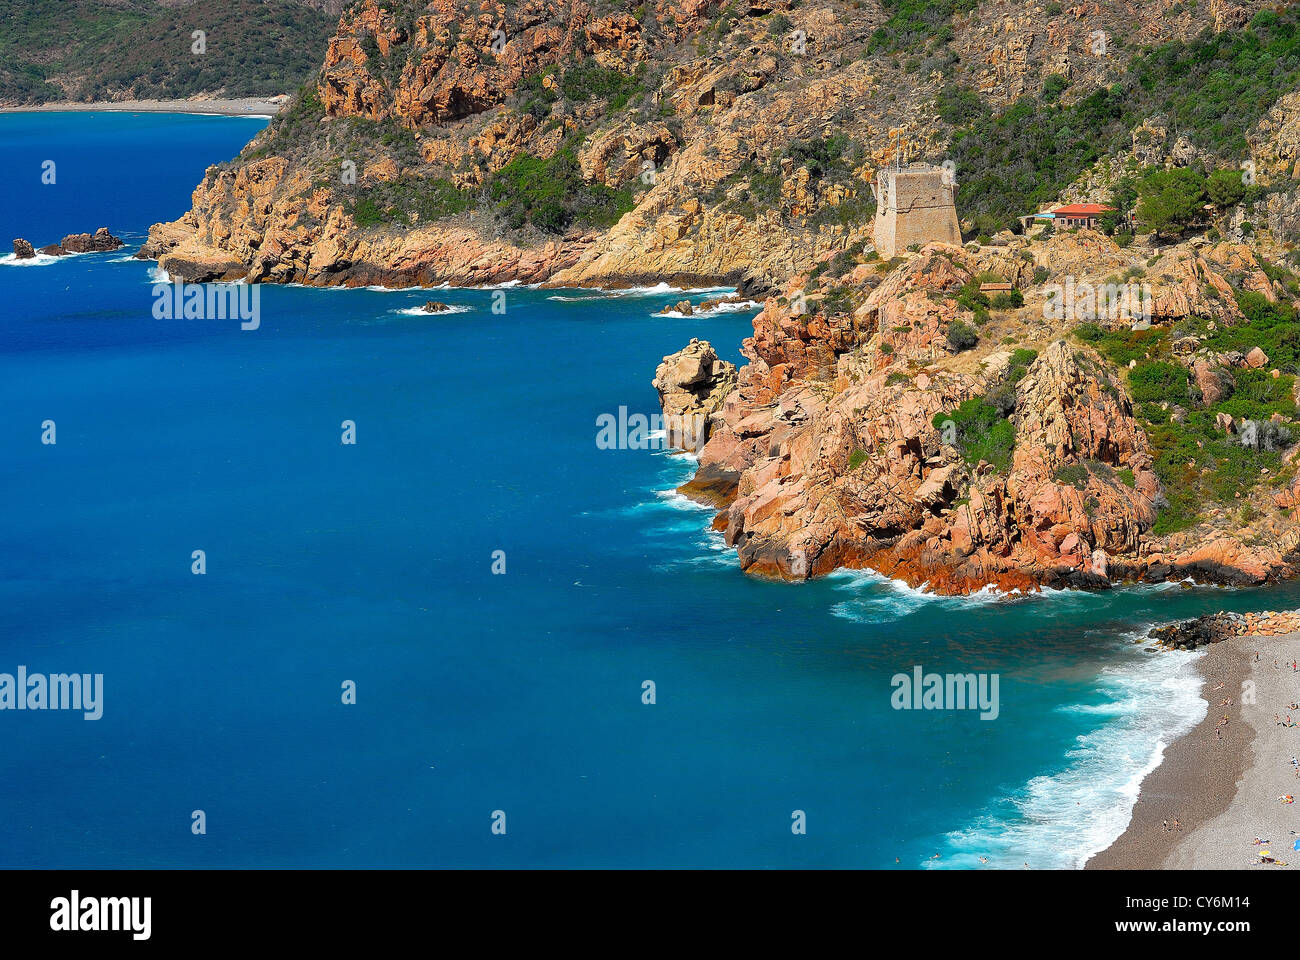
(476, 692)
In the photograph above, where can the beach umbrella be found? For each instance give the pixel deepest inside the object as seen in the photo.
(1296, 845)
(1266, 853)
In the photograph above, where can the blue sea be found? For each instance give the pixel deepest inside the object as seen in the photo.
(480, 697)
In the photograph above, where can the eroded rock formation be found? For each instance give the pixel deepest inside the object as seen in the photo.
(98, 242)
(840, 447)
(692, 384)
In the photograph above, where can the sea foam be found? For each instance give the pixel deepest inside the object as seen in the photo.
(1060, 819)
(421, 312)
(739, 306)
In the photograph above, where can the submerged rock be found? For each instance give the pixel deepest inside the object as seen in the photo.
(435, 306)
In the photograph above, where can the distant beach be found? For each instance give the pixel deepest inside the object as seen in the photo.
(225, 108)
(1224, 793)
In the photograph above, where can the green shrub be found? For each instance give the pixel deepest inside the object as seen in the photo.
(407, 201)
(1053, 87)
(367, 213)
(959, 104)
(1159, 381)
(551, 194)
(1225, 188)
(912, 22)
(962, 336)
(1270, 326)
(1021, 358)
(980, 433)
(591, 81)
(1122, 346)
(1075, 475)
(535, 97)
(1169, 201)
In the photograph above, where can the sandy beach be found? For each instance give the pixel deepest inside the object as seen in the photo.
(1222, 781)
(225, 108)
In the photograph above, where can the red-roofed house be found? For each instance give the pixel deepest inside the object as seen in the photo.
(1079, 214)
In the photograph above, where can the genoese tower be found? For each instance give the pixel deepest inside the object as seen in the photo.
(914, 205)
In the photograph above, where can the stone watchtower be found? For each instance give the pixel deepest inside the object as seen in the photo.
(914, 205)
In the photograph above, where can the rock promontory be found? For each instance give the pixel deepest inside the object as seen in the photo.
(888, 420)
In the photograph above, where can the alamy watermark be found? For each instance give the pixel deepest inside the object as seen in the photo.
(76, 913)
(57, 691)
(1130, 301)
(657, 431)
(209, 301)
(946, 691)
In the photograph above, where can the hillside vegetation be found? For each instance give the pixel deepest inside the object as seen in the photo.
(85, 50)
(1212, 90)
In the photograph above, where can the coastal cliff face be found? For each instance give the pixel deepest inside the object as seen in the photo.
(590, 143)
(862, 433)
(891, 414)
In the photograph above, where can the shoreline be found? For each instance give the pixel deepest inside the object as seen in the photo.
(240, 107)
(1197, 775)
(1223, 792)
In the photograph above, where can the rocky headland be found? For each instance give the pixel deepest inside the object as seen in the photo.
(888, 419)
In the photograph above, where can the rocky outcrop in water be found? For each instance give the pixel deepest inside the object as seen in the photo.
(1217, 627)
(1199, 632)
(692, 384)
(98, 242)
